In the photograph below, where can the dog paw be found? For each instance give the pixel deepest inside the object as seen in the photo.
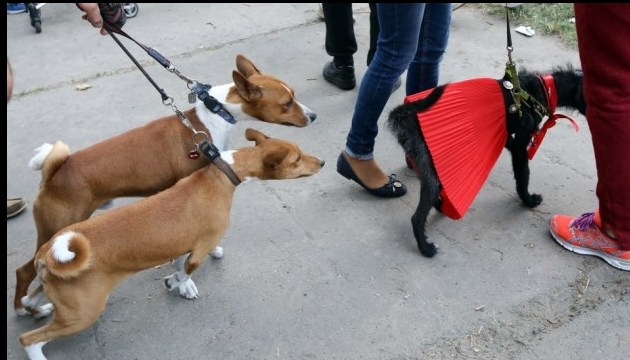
(188, 289)
(533, 201)
(43, 311)
(217, 253)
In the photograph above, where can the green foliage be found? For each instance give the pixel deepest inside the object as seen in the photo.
(548, 19)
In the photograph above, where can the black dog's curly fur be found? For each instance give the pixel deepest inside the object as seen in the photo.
(403, 122)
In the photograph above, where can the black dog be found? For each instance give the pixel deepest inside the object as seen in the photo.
(520, 127)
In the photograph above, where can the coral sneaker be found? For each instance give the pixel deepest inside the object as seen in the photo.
(582, 235)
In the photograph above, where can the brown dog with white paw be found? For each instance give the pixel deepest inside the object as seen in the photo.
(82, 263)
(150, 158)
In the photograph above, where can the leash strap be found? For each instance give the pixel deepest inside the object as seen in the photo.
(522, 98)
(201, 90)
(197, 89)
(161, 59)
(165, 97)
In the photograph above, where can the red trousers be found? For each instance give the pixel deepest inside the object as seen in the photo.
(604, 45)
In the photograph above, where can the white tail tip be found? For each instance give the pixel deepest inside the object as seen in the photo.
(37, 161)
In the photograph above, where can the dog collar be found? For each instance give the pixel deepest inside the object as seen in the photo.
(211, 103)
(549, 86)
(212, 153)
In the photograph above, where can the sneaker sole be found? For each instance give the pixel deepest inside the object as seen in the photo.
(617, 263)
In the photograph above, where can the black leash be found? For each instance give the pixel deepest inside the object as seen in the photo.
(200, 138)
(165, 97)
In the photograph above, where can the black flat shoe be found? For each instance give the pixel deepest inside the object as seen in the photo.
(393, 188)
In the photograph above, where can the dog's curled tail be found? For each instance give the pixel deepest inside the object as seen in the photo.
(403, 121)
(67, 255)
(49, 157)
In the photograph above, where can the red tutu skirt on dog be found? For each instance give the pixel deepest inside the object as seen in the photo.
(465, 132)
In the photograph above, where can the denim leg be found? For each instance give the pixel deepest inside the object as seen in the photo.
(424, 70)
(397, 45)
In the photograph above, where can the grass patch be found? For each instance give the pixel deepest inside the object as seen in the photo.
(549, 19)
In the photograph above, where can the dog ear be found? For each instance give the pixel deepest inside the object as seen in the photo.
(273, 159)
(246, 89)
(245, 66)
(255, 135)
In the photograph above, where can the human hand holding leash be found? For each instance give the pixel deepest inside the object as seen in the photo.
(104, 15)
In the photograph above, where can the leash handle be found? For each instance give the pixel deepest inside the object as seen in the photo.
(113, 14)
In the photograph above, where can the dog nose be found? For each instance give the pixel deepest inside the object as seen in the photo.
(322, 162)
(312, 116)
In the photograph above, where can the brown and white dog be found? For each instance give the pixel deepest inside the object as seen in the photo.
(80, 266)
(149, 158)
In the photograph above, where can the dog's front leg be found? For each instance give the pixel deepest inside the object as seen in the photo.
(182, 280)
(520, 166)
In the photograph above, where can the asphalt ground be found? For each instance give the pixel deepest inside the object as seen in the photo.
(317, 268)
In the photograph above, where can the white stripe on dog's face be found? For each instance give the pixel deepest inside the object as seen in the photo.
(60, 248)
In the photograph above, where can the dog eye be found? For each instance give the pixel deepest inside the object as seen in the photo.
(288, 104)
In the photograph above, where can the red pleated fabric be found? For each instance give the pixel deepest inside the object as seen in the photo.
(465, 132)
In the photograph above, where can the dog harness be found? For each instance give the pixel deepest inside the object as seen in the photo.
(465, 132)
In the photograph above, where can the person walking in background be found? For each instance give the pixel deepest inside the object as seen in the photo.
(341, 43)
(35, 15)
(412, 37)
(604, 53)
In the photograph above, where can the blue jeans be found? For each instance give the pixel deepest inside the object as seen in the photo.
(412, 37)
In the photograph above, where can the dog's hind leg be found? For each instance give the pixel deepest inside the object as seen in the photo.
(24, 275)
(429, 197)
(74, 312)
